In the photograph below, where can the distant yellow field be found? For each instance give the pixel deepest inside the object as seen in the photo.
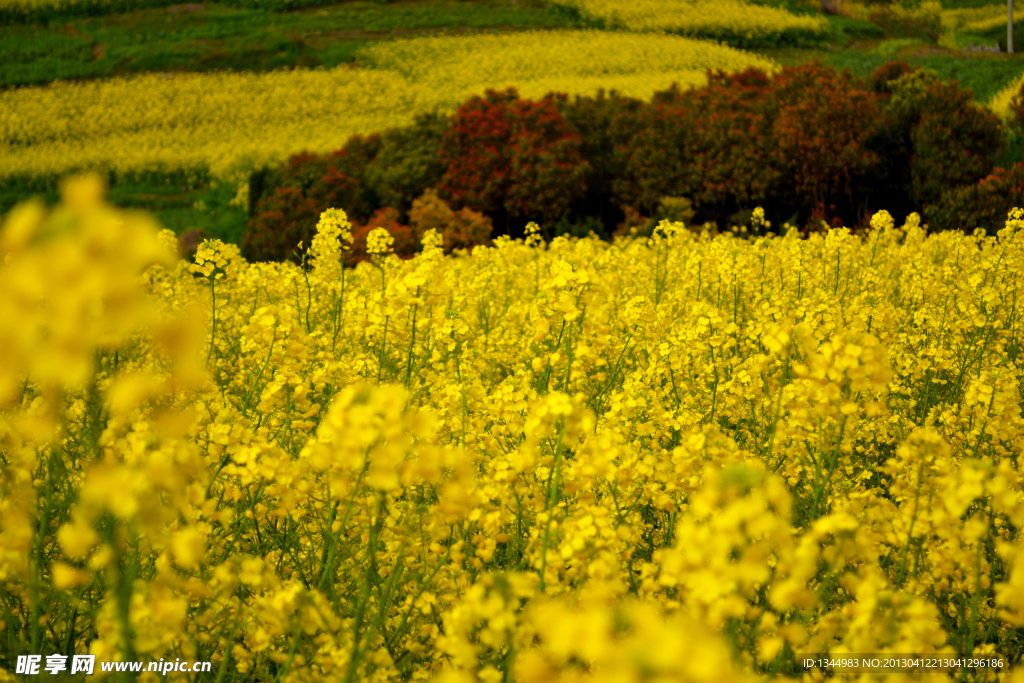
(225, 121)
(569, 61)
(974, 19)
(699, 17)
(1000, 103)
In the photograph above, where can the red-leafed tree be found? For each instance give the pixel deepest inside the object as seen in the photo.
(504, 153)
(821, 133)
(652, 160)
(729, 150)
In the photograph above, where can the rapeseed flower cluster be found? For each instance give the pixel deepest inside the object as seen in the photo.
(226, 122)
(575, 62)
(674, 458)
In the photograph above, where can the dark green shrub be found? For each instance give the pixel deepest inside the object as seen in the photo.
(955, 143)
(407, 163)
(189, 241)
(603, 122)
(746, 139)
(855, 28)
(292, 197)
(674, 209)
(309, 173)
(881, 78)
(284, 220)
(1018, 40)
(934, 139)
(892, 144)
(652, 161)
(710, 144)
(730, 146)
(351, 161)
(580, 228)
(1013, 150)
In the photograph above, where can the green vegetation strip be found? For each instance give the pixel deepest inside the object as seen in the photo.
(983, 75)
(205, 37)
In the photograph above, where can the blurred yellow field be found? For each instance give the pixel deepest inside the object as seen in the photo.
(225, 121)
(974, 19)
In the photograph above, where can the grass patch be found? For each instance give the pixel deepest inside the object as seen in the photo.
(984, 74)
(175, 203)
(967, 40)
(888, 48)
(212, 37)
(793, 56)
(855, 28)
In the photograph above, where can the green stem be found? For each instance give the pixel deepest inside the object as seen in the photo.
(296, 637)
(364, 599)
(412, 340)
(339, 314)
(819, 492)
(213, 324)
(309, 294)
(39, 559)
(328, 567)
(550, 504)
(259, 375)
(913, 519)
(714, 395)
(383, 341)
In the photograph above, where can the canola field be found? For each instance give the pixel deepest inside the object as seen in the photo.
(728, 19)
(685, 458)
(1000, 102)
(224, 122)
(974, 19)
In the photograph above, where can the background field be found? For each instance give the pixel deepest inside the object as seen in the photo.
(46, 42)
